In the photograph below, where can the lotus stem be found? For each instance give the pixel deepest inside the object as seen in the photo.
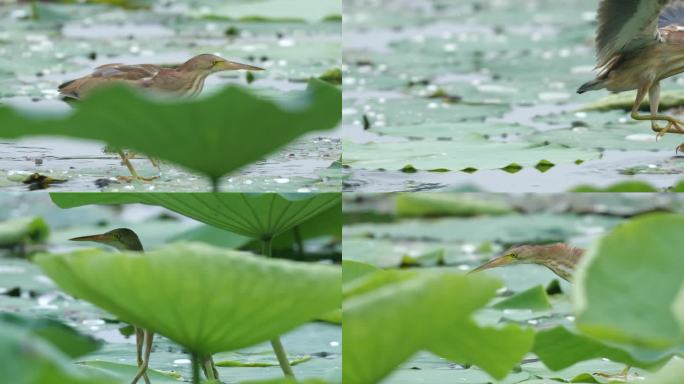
(195, 369)
(209, 368)
(267, 250)
(299, 241)
(215, 185)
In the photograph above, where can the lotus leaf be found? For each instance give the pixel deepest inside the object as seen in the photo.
(205, 298)
(252, 215)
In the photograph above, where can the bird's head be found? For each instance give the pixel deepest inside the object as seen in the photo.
(211, 63)
(559, 258)
(524, 254)
(122, 239)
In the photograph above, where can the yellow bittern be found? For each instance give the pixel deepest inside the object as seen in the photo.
(125, 239)
(560, 258)
(186, 79)
(639, 43)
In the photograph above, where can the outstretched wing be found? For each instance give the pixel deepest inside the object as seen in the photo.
(625, 25)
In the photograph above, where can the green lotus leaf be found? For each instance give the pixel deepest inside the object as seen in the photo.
(495, 350)
(447, 204)
(253, 215)
(60, 335)
(476, 153)
(384, 327)
(122, 373)
(352, 270)
(26, 358)
(213, 136)
(559, 348)
(206, 299)
(629, 282)
(534, 299)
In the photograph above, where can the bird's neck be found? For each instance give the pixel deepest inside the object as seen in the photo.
(562, 259)
(194, 82)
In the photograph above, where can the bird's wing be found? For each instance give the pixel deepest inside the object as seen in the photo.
(672, 15)
(625, 25)
(126, 72)
(106, 74)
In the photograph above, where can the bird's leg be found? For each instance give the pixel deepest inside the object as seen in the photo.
(622, 376)
(142, 370)
(654, 99)
(125, 159)
(139, 344)
(673, 125)
(153, 160)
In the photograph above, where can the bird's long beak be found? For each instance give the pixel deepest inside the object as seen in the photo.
(498, 262)
(101, 238)
(232, 66)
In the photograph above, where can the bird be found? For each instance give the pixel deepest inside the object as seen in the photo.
(125, 239)
(639, 43)
(185, 80)
(560, 258)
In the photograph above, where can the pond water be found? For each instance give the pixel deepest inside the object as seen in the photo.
(433, 88)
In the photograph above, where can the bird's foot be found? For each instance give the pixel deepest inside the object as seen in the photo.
(679, 149)
(129, 179)
(619, 377)
(673, 126)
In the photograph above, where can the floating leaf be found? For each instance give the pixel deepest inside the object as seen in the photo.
(30, 230)
(28, 359)
(447, 204)
(477, 153)
(203, 135)
(205, 298)
(122, 373)
(61, 336)
(534, 299)
(559, 348)
(352, 270)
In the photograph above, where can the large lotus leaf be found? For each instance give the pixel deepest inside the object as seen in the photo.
(473, 153)
(214, 136)
(627, 287)
(385, 326)
(559, 348)
(205, 298)
(252, 215)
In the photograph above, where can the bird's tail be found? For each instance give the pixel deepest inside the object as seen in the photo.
(593, 85)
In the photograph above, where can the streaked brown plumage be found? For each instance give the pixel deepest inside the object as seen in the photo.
(186, 79)
(560, 258)
(640, 43)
